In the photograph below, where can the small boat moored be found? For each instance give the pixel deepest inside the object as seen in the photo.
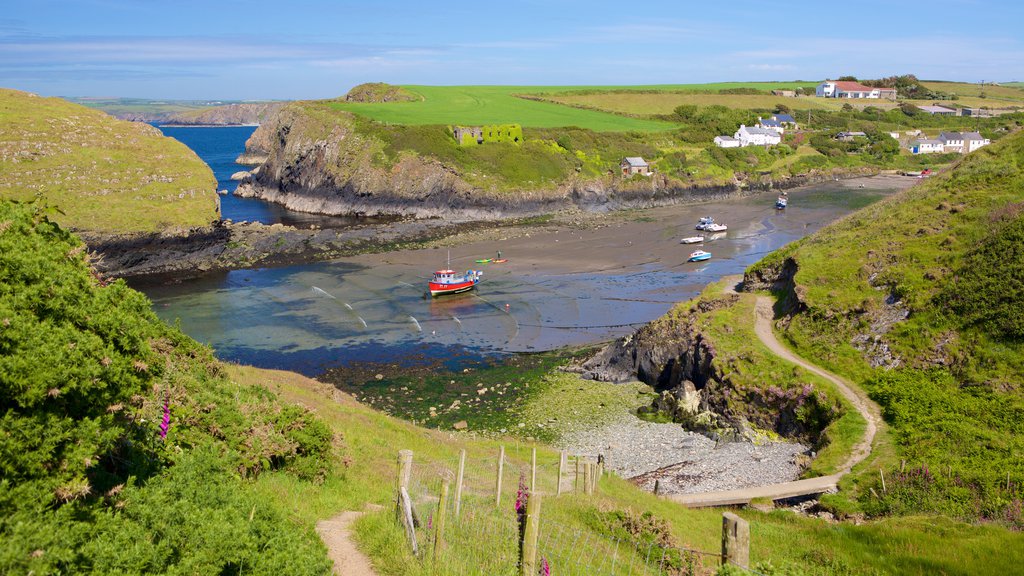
(781, 203)
(692, 240)
(699, 256)
(451, 282)
(708, 223)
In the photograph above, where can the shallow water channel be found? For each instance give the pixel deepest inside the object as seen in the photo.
(559, 287)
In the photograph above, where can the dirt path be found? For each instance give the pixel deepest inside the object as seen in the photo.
(336, 534)
(763, 315)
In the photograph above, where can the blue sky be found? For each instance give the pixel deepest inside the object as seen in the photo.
(228, 49)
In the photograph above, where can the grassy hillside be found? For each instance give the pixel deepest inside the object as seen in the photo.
(651, 103)
(478, 105)
(981, 95)
(103, 174)
(124, 448)
(918, 298)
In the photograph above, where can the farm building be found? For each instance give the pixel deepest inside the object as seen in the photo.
(726, 142)
(634, 165)
(847, 89)
(753, 136)
(785, 120)
(510, 133)
(938, 110)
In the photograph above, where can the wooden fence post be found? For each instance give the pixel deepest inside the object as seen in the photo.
(588, 483)
(405, 514)
(576, 479)
(528, 563)
(533, 470)
(442, 508)
(882, 476)
(497, 486)
(735, 540)
(458, 482)
(561, 469)
(404, 472)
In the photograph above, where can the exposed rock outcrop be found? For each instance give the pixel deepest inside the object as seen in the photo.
(380, 92)
(248, 113)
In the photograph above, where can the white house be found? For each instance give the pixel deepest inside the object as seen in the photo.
(973, 141)
(752, 136)
(927, 146)
(847, 89)
(952, 141)
(770, 124)
(938, 110)
(726, 142)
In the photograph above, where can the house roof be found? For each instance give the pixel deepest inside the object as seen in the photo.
(784, 118)
(770, 122)
(755, 130)
(726, 138)
(932, 141)
(973, 136)
(936, 109)
(947, 136)
(635, 161)
(851, 134)
(846, 86)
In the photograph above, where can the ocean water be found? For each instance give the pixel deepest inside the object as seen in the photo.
(218, 147)
(311, 318)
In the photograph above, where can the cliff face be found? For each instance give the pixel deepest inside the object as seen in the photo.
(227, 115)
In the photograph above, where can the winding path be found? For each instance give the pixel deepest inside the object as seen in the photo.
(336, 535)
(763, 316)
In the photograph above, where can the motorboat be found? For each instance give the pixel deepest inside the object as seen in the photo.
(699, 256)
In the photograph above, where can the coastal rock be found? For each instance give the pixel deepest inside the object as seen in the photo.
(460, 425)
(241, 175)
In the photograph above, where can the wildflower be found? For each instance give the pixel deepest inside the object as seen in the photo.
(165, 423)
(545, 568)
(522, 495)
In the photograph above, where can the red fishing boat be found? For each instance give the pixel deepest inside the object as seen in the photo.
(449, 281)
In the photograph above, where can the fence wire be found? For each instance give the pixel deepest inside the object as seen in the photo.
(481, 534)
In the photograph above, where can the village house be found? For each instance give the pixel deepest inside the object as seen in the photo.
(634, 165)
(785, 120)
(468, 134)
(927, 146)
(770, 124)
(849, 136)
(726, 142)
(963, 143)
(849, 89)
(753, 136)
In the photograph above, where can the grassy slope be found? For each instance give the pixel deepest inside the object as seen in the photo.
(995, 96)
(106, 175)
(916, 545)
(474, 105)
(911, 245)
(666, 102)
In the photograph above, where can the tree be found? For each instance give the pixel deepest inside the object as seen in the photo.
(782, 109)
(847, 79)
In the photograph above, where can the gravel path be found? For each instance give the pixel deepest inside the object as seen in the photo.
(685, 462)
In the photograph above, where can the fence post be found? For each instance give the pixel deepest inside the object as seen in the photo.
(561, 469)
(497, 486)
(404, 472)
(405, 514)
(533, 470)
(528, 563)
(442, 507)
(882, 476)
(588, 472)
(458, 482)
(576, 479)
(600, 466)
(735, 540)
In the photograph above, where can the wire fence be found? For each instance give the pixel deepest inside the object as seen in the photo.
(473, 516)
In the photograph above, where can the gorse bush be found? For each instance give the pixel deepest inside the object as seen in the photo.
(115, 428)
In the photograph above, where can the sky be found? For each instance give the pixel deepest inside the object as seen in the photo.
(291, 49)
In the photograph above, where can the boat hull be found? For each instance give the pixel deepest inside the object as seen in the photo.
(439, 289)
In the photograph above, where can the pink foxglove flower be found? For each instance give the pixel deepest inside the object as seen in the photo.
(545, 568)
(165, 423)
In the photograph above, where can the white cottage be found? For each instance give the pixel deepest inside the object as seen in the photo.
(751, 136)
(927, 146)
(726, 142)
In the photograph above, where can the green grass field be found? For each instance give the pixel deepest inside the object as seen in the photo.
(473, 105)
(104, 174)
(665, 102)
(970, 94)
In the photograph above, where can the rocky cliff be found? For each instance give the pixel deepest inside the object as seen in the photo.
(227, 115)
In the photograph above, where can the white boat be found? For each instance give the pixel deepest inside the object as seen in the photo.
(699, 256)
(716, 227)
(692, 240)
(704, 222)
